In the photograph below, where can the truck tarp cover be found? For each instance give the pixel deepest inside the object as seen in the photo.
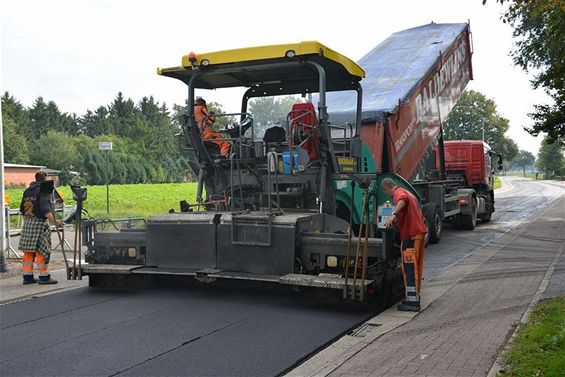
(414, 78)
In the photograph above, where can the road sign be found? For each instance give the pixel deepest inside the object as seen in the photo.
(105, 145)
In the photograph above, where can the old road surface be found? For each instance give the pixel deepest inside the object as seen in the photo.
(209, 331)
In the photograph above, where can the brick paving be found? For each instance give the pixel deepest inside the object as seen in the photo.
(463, 331)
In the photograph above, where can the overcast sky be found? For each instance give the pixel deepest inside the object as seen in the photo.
(81, 53)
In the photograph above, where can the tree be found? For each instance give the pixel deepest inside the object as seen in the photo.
(95, 123)
(551, 159)
(524, 159)
(57, 150)
(15, 145)
(267, 110)
(475, 117)
(13, 109)
(159, 138)
(539, 33)
(122, 116)
(45, 117)
(270, 110)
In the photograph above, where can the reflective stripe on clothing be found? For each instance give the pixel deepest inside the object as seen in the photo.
(413, 266)
(27, 264)
(42, 265)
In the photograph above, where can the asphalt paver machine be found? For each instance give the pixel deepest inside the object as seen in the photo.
(266, 213)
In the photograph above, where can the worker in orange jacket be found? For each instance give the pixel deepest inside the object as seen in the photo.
(205, 121)
(410, 223)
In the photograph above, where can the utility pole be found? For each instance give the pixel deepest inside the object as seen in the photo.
(106, 146)
(107, 184)
(2, 200)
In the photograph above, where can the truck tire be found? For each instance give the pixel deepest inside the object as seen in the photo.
(433, 222)
(485, 218)
(468, 221)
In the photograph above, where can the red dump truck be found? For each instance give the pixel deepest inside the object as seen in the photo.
(413, 80)
(471, 161)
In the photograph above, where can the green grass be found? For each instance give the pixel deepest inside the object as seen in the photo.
(539, 348)
(140, 200)
(528, 175)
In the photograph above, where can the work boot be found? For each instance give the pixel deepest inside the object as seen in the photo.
(30, 281)
(48, 281)
(409, 306)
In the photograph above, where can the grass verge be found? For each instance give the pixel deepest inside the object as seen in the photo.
(140, 200)
(539, 348)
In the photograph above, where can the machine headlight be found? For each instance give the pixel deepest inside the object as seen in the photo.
(132, 252)
(331, 261)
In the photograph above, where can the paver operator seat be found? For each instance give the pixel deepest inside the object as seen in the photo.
(304, 128)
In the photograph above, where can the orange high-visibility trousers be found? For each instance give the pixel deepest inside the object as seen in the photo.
(208, 133)
(413, 266)
(42, 265)
(27, 265)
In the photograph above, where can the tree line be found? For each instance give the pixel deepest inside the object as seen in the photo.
(143, 135)
(145, 149)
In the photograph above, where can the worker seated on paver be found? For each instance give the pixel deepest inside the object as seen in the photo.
(205, 121)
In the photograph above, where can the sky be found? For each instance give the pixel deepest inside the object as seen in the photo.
(80, 54)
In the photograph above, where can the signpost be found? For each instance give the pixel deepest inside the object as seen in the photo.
(106, 146)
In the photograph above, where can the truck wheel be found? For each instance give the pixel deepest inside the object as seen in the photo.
(485, 218)
(468, 221)
(433, 222)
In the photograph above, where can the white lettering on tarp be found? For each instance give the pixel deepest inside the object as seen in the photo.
(427, 99)
(402, 139)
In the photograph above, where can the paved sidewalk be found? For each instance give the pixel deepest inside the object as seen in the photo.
(11, 287)
(471, 310)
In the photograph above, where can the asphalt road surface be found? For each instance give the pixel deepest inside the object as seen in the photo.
(208, 331)
(517, 201)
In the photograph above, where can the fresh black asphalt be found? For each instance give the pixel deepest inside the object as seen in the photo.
(192, 332)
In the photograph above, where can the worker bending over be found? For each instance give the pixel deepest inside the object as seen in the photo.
(410, 223)
(205, 122)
